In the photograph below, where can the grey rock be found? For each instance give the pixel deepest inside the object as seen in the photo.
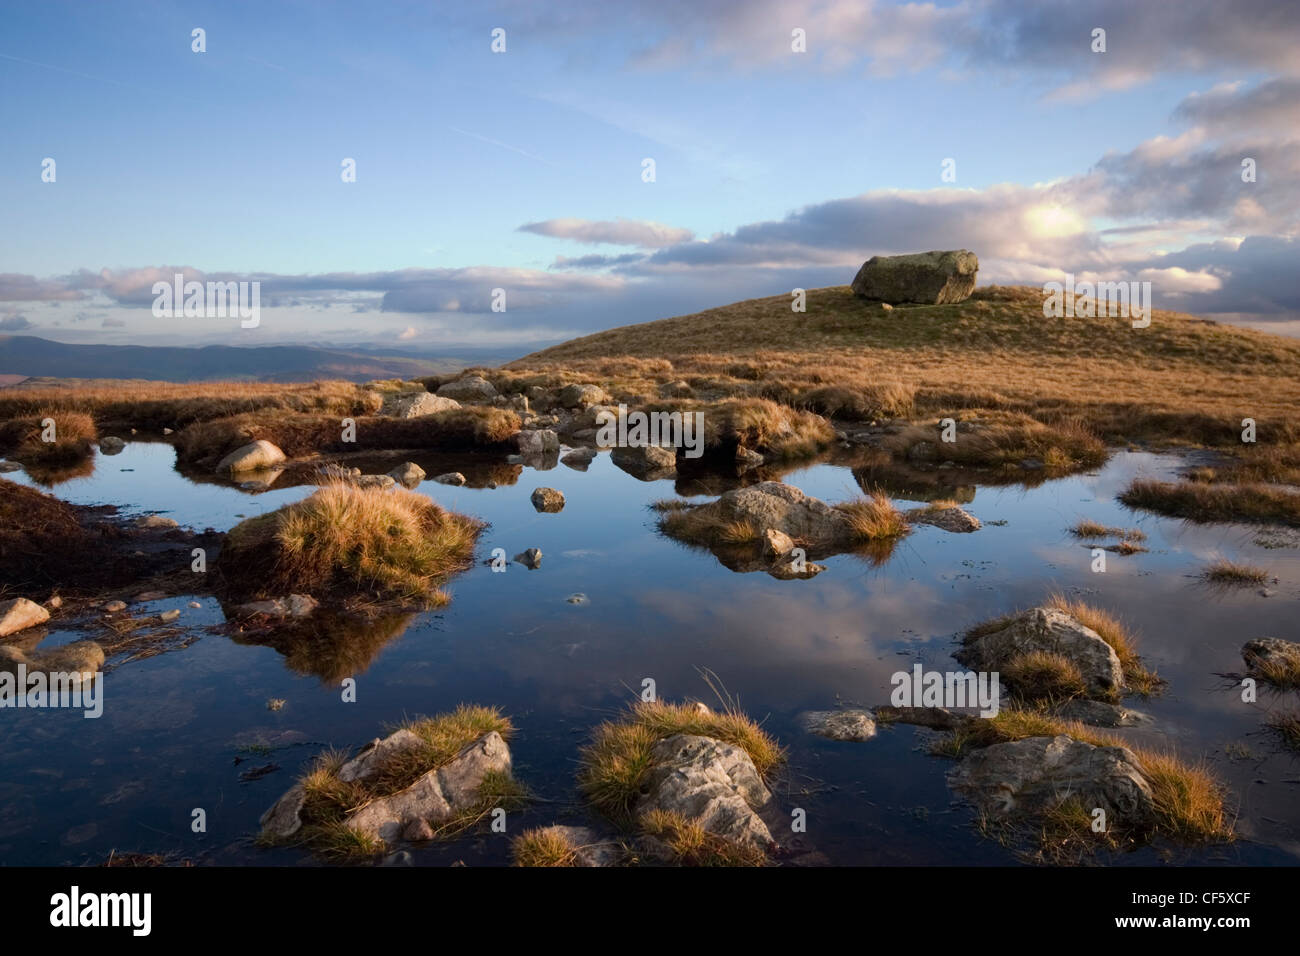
(531, 559)
(417, 405)
(472, 388)
(1047, 629)
(954, 519)
(1026, 777)
(111, 445)
(928, 278)
(647, 462)
(255, 456)
(538, 442)
(710, 783)
(374, 481)
(153, 522)
(408, 474)
(547, 500)
(1099, 713)
(451, 478)
(291, 608)
(19, 614)
(580, 396)
(368, 762)
(579, 459)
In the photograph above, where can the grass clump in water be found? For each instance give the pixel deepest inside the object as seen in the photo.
(1234, 574)
(1206, 503)
(392, 545)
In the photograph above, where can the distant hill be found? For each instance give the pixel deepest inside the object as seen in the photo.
(24, 356)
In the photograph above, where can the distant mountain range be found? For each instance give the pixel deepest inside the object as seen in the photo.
(23, 356)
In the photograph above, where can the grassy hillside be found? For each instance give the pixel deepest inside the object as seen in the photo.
(1181, 379)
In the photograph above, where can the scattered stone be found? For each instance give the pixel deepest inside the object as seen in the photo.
(747, 458)
(169, 616)
(1271, 652)
(437, 796)
(8, 466)
(451, 478)
(579, 459)
(1099, 713)
(954, 519)
(167, 431)
(367, 763)
(383, 482)
(710, 783)
(578, 598)
(854, 725)
(927, 278)
(156, 521)
(293, 608)
(472, 388)
(112, 607)
(647, 462)
(1047, 629)
(1033, 775)
(780, 507)
(581, 396)
(408, 474)
(936, 718)
(418, 405)
(111, 445)
(531, 559)
(548, 500)
(149, 596)
(255, 456)
(55, 602)
(537, 442)
(19, 614)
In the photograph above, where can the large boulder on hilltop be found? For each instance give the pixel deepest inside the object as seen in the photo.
(710, 783)
(1026, 777)
(1047, 629)
(255, 456)
(926, 278)
(472, 388)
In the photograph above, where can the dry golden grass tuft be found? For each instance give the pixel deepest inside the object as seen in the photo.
(1234, 574)
(389, 544)
(73, 433)
(1114, 632)
(1201, 502)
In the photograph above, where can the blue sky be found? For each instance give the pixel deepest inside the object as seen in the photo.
(773, 169)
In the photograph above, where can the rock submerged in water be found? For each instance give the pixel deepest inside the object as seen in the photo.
(1047, 629)
(925, 278)
(1027, 777)
(111, 445)
(852, 725)
(531, 558)
(776, 506)
(954, 519)
(710, 783)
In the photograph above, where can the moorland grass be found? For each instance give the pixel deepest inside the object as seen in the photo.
(389, 544)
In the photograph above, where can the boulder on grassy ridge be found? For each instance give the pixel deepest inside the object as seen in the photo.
(417, 405)
(472, 388)
(927, 278)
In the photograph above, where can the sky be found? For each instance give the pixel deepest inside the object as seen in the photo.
(524, 169)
